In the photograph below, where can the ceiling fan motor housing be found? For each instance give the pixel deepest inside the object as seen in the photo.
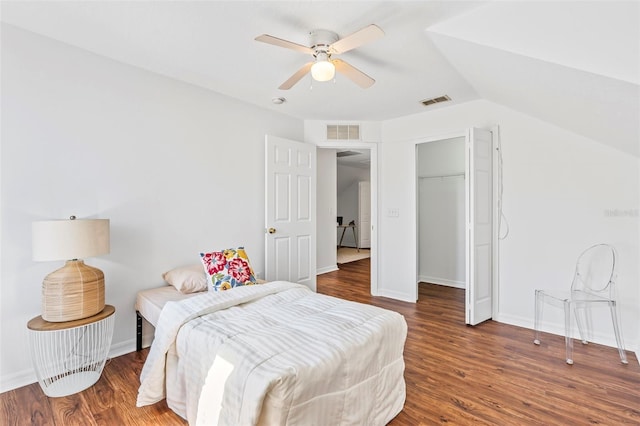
(321, 40)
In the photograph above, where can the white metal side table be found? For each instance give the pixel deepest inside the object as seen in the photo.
(68, 357)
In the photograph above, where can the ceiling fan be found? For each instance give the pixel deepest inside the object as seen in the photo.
(325, 44)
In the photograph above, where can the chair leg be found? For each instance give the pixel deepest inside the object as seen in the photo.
(580, 324)
(618, 332)
(538, 315)
(567, 332)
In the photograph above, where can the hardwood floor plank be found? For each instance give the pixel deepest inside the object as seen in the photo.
(72, 410)
(27, 405)
(490, 374)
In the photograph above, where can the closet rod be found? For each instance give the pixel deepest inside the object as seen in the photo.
(440, 176)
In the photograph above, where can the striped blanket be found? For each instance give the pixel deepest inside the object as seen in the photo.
(276, 353)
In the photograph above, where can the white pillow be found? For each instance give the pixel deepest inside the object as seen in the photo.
(187, 279)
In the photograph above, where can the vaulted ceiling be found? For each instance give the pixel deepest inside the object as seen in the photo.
(574, 64)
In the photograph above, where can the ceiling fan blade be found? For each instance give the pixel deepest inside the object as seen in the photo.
(265, 38)
(296, 77)
(357, 39)
(353, 74)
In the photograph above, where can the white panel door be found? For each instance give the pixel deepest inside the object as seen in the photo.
(290, 209)
(479, 215)
(364, 214)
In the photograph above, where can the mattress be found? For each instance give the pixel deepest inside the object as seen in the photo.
(149, 303)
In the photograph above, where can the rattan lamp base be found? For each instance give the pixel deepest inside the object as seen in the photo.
(72, 292)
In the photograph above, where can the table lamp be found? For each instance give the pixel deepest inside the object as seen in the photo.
(76, 290)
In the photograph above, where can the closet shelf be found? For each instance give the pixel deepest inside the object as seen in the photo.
(440, 176)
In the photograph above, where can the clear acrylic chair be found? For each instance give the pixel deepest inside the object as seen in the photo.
(593, 284)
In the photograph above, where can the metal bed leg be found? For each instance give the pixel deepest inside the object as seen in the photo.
(138, 331)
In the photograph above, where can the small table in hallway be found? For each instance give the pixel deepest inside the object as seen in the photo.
(344, 229)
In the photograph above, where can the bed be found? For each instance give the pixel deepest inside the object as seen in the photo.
(275, 353)
(149, 304)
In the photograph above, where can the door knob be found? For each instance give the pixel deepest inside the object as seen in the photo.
(272, 230)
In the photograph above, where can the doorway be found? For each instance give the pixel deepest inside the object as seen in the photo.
(445, 242)
(329, 228)
(441, 212)
(353, 204)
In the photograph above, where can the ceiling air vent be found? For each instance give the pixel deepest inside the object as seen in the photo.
(343, 132)
(437, 100)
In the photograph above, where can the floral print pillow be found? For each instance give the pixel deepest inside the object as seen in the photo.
(227, 269)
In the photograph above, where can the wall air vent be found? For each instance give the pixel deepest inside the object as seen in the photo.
(437, 100)
(343, 132)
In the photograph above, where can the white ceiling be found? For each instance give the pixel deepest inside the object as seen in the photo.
(574, 64)
(360, 158)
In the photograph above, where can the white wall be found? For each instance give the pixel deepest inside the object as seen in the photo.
(348, 174)
(326, 206)
(441, 157)
(559, 191)
(178, 170)
(441, 212)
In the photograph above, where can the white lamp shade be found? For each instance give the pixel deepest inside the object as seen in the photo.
(323, 70)
(70, 239)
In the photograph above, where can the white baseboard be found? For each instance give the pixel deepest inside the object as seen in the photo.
(442, 281)
(558, 329)
(396, 295)
(28, 376)
(326, 269)
(17, 380)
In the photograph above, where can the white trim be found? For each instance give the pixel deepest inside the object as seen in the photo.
(26, 377)
(326, 269)
(396, 295)
(605, 339)
(495, 273)
(17, 380)
(438, 137)
(441, 281)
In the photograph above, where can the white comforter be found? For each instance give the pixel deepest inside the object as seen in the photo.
(276, 353)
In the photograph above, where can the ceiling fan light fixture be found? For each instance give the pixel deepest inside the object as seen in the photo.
(323, 69)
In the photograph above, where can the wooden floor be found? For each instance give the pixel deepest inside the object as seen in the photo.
(491, 374)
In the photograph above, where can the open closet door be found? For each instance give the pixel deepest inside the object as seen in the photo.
(479, 226)
(290, 211)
